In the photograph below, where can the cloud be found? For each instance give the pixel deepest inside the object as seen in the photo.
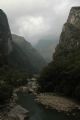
(35, 19)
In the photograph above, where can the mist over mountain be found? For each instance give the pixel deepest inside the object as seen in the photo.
(46, 47)
(26, 55)
(18, 60)
(16, 52)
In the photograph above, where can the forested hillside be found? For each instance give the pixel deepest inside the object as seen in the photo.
(62, 75)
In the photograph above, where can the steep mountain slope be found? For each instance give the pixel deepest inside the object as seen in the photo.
(46, 47)
(5, 49)
(17, 53)
(5, 38)
(18, 60)
(10, 53)
(69, 43)
(63, 74)
(28, 53)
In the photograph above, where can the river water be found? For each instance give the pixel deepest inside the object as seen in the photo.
(37, 111)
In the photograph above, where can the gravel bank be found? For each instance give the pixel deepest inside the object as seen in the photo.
(57, 102)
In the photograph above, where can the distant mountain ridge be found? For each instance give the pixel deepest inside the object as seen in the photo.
(62, 75)
(5, 38)
(46, 47)
(35, 59)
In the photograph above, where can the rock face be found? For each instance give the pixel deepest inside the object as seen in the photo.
(74, 17)
(70, 36)
(5, 38)
(18, 113)
(63, 73)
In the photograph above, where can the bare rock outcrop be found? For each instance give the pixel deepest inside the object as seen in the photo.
(18, 113)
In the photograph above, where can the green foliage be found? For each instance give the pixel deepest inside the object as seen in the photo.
(62, 75)
(46, 47)
(9, 80)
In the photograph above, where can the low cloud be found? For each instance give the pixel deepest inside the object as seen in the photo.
(35, 19)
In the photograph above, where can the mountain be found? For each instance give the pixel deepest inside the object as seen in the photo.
(5, 38)
(17, 59)
(28, 54)
(62, 75)
(70, 39)
(46, 47)
(16, 52)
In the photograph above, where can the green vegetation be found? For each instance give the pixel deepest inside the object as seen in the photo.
(9, 80)
(46, 47)
(24, 56)
(62, 75)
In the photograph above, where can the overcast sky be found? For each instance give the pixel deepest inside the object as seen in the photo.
(35, 19)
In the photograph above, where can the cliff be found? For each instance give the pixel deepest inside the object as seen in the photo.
(26, 55)
(70, 37)
(5, 38)
(62, 75)
(74, 17)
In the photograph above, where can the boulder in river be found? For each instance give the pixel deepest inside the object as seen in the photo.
(18, 113)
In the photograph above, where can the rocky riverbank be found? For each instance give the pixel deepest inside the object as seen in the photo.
(12, 111)
(18, 113)
(57, 102)
(52, 101)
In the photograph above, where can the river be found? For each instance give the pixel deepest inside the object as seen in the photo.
(38, 112)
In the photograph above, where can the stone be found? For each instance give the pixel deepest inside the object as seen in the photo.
(18, 113)
(70, 36)
(74, 17)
